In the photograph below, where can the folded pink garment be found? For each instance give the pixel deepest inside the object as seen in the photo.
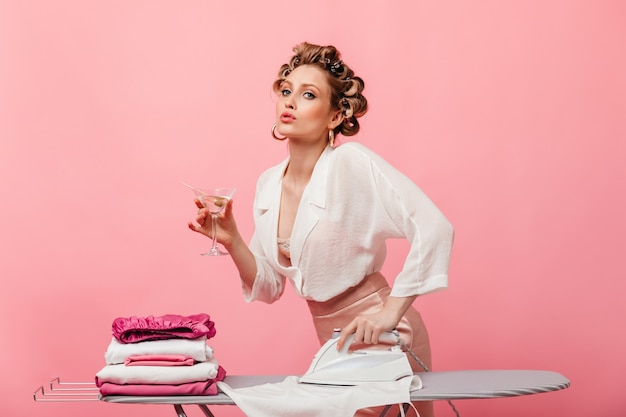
(208, 387)
(159, 360)
(158, 375)
(169, 326)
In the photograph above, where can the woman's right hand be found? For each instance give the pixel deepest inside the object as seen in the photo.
(226, 225)
(228, 235)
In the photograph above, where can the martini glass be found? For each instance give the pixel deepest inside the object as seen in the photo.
(215, 200)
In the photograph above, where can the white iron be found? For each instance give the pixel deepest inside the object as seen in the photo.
(341, 367)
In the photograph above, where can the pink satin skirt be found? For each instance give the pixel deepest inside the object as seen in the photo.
(369, 297)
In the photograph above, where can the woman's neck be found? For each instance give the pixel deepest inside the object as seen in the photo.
(302, 160)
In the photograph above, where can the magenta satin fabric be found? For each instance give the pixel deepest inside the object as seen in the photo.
(208, 387)
(159, 360)
(170, 326)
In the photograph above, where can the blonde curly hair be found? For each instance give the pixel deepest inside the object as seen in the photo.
(346, 88)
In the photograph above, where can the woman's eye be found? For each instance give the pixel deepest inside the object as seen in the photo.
(309, 95)
(285, 92)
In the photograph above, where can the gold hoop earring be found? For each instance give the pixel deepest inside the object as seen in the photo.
(274, 133)
(331, 138)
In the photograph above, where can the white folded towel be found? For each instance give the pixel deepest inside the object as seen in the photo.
(160, 375)
(196, 348)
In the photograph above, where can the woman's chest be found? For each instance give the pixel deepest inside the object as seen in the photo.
(289, 205)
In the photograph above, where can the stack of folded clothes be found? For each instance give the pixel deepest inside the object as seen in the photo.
(160, 356)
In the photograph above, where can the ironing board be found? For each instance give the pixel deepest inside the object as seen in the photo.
(442, 385)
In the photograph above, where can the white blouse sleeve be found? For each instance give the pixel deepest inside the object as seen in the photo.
(417, 219)
(268, 284)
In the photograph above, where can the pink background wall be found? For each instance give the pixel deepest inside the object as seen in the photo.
(510, 115)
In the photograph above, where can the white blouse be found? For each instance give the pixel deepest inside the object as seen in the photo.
(354, 201)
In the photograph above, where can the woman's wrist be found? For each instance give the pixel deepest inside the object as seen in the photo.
(395, 307)
(232, 244)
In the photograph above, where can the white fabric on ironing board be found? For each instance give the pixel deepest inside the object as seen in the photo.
(122, 374)
(196, 348)
(290, 398)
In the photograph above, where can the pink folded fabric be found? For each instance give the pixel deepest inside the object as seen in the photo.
(157, 375)
(159, 360)
(208, 387)
(169, 326)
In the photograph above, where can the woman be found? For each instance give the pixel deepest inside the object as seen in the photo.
(322, 216)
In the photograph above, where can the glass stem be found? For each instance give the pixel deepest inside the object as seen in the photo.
(214, 232)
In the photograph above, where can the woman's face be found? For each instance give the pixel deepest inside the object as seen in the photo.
(303, 109)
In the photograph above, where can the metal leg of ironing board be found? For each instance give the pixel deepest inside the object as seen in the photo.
(179, 410)
(406, 409)
(385, 410)
(203, 407)
(387, 407)
(206, 410)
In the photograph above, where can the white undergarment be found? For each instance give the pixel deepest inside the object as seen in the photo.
(290, 398)
(284, 247)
